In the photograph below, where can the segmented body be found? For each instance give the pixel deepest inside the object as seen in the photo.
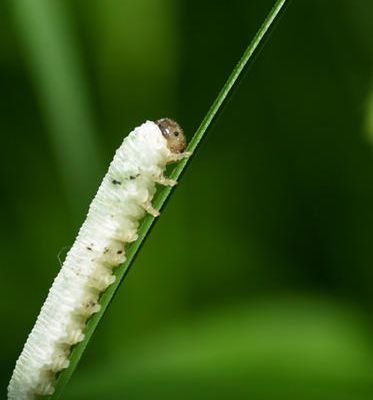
(123, 198)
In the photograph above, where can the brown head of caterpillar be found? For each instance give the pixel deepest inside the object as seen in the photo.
(173, 133)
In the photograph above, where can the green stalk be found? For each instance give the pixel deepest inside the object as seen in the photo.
(164, 193)
(44, 29)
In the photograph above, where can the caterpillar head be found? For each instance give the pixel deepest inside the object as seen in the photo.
(173, 133)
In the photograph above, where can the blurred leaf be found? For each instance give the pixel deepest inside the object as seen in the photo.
(45, 31)
(307, 349)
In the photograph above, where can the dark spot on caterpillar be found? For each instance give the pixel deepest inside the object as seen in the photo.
(134, 176)
(89, 248)
(106, 250)
(119, 251)
(115, 182)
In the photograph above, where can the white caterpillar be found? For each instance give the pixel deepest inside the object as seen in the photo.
(123, 198)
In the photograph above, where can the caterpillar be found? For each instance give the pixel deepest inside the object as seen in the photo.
(122, 200)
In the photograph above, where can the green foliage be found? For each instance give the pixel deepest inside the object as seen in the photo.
(308, 347)
(62, 91)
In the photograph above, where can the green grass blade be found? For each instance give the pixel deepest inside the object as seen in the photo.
(53, 59)
(164, 193)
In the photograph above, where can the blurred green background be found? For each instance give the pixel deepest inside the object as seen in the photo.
(257, 280)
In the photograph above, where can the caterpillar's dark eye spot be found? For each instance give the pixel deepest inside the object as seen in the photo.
(119, 252)
(176, 133)
(115, 182)
(89, 248)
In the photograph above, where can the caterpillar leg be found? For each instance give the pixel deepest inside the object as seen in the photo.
(148, 207)
(74, 337)
(90, 307)
(45, 389)
(102, 279)
(174, 157)
(60, 362)
(162, 180)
